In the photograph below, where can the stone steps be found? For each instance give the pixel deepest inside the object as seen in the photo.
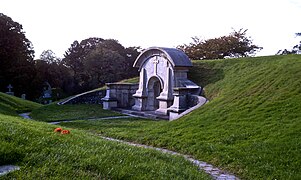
(145, 114)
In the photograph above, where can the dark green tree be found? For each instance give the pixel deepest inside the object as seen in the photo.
(95, 61)
(104, 65)
(16, 57)
(236, 44)
(74, 59)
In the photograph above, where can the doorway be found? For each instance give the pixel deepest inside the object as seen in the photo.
(154, 89)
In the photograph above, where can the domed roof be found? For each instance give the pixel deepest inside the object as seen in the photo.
(175, 56)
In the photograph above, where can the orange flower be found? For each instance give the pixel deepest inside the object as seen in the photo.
(57, 129)
(65, 132)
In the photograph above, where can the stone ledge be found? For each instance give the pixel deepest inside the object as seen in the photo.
(7, 169)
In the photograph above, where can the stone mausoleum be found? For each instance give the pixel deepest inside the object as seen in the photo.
(163, 87)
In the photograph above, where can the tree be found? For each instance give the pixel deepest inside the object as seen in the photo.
(95, 61)
(76, 54)
(104, 65)
(296, 49)
(49, 57)
(75, 57)
(236, 44)
(16, 57)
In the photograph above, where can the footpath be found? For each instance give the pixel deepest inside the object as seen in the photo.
(214, 172)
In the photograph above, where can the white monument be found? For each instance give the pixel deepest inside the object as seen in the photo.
(163, 85)
(161, 70)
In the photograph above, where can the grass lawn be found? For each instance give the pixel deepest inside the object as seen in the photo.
(12, 105)
(54, 112)
(42, 153)
(251, 126)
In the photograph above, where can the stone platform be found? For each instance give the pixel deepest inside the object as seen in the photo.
(143, 114)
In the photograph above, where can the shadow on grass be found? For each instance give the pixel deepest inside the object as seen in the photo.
(205, 73)
(11, 157)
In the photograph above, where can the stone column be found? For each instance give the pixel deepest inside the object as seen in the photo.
(179, 103)
(140, 95)
(110, 100)
(166, 97)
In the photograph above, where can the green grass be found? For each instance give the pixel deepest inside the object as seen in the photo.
(131, 80)
(43, 154)
(54, 112)
(12, 105)
(131, 128)
(251, 126)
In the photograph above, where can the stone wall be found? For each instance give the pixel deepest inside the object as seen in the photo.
(91, 97)
(119, 95)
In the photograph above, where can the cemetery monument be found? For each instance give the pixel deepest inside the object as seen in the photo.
(163, 85)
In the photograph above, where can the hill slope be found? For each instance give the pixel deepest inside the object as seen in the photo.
(253, 123)
(251, 126)
(42, 153)
(10, 105)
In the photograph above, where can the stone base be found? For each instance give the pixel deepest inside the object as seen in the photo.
(162, 111)
(143, 114)
(140, 103)
(173, 115)
(10, 93)
(109, 104)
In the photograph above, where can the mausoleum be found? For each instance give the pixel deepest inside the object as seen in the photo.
(163, 85)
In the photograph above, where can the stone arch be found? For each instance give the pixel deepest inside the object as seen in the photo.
(161, 70)
(163, 85)
(175, 57)
(154, 89)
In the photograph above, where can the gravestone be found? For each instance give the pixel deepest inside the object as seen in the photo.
(23, 96)
(47, 93)
(10, 87)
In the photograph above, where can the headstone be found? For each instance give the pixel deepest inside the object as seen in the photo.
(47, 93)
(10, 87)
(23, 96)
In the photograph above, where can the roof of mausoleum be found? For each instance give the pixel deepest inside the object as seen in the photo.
(175, 56)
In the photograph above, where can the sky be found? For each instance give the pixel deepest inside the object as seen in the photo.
(55, 24)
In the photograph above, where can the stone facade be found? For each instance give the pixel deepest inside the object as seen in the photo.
(90, 97)
(119, 95)
(163, 85)
(161, 70)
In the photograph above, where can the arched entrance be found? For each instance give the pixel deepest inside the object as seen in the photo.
(153, 91)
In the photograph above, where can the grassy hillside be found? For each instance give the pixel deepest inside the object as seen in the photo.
(54, 112)
(42, 153)
(12, 105)
(251, 126)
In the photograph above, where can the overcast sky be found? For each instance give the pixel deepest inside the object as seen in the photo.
(55, 24)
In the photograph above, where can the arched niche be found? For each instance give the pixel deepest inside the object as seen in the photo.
(167, 65)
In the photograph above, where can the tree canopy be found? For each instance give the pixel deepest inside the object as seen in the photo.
(296, 49)
(16, 56)
(236, 44)
(87, 64)
(92, 62)
(96, 61)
